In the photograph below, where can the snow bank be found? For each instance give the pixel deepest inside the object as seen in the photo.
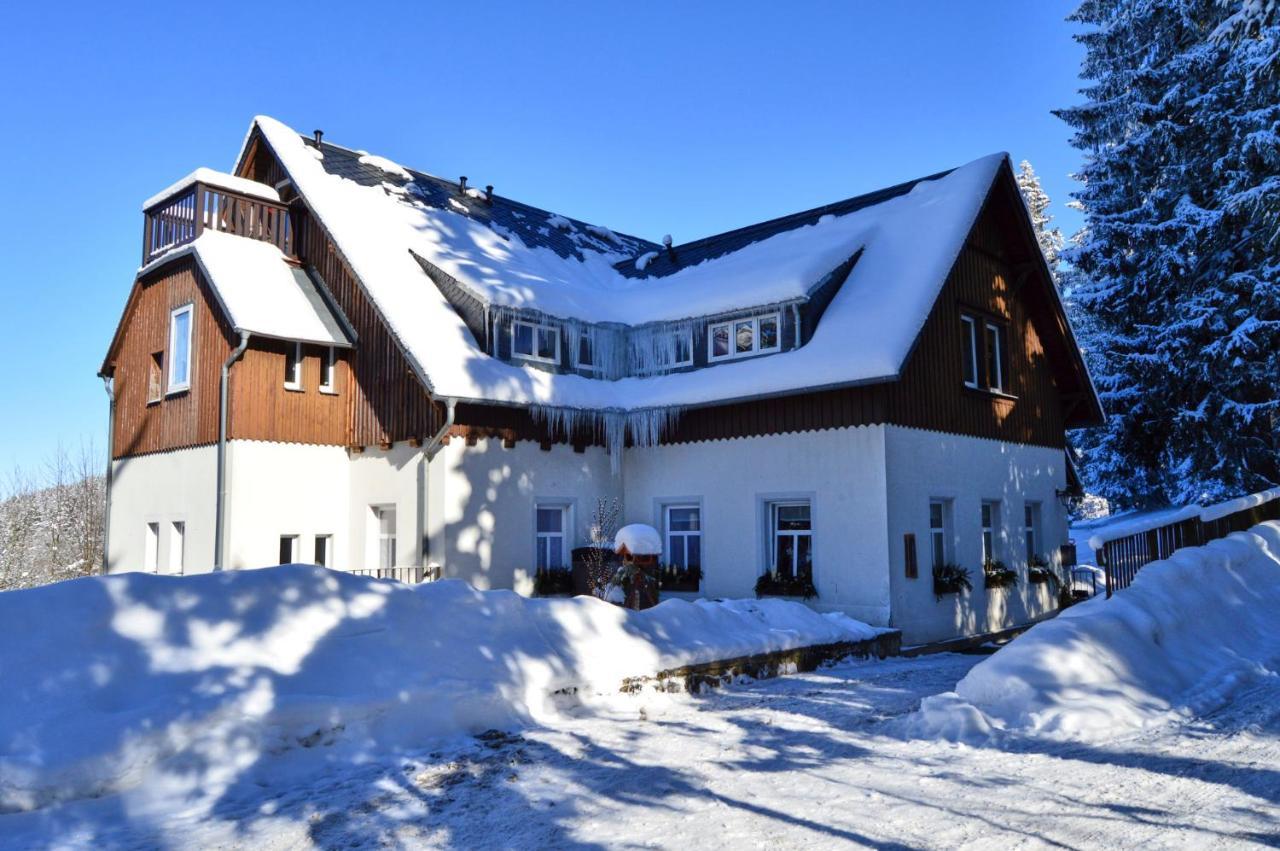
(639, 540)
(1175, 644)
(108, 679)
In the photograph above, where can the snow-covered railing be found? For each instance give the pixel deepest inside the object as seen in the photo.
(194, 207)
(410, 575)
(1124, 548)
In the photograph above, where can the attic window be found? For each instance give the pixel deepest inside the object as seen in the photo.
(743, 337)
(180, 349)
(535, 342)
(984, 353)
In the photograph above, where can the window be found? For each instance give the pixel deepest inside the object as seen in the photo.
(293, 366)
(385, 517)
(151, 548)
(990, 519)
(585, 356)
(535, 342)
(743, 337)
(155, 378)
(180, 349)
(969, 353)
(682, 345)
(995, 356)
(792, 534)
(288, 549)
(1031, 529)
(939, 515)
(684, 535)
(323, 550)
(551, 523)
(177, 546)
(329, 371)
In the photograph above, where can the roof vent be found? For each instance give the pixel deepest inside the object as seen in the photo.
(488, 194)
(462, 185)
(319, 134)
(671, 252)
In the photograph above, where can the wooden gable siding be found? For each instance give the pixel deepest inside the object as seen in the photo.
(262, 408)
(387, 400)
(185, 419)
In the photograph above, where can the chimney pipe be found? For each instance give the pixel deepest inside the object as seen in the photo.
(462, 184)
(671, 252)
(319, 134)
(488, 194)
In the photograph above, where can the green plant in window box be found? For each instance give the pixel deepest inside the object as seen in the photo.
(773, 584)
(950, 579)
(996, 574)
(1039, 572)
(552, 581)
(672, 577)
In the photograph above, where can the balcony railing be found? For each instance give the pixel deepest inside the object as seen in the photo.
(183, 216)
(412, 575)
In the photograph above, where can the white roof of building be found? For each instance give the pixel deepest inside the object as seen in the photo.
(261, 292)
(908, 243)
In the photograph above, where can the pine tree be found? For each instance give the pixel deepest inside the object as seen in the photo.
(1033, 193)
(1177, 276)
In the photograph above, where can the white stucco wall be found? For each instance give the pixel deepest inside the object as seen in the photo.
(163, 488)
(841, 471)
(925, 465)
(384, 477)
(481, 505)
(276, 489)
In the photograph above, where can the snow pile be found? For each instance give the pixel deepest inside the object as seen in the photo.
(110, 679)
(639, 540)
(1175, 644)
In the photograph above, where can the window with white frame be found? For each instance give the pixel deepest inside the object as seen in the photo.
(684, 535)
(552, 522)
(744, 337)
(995, 356)
(323, 550)
(329, 371)
(293, 366)
(151, 548)
(1031, 529)
(288, 549)
(939, 530)
(585, 356)
(535, 342)
(177, 546)
(791, 537)
(990, 521)
(384, 518)
(969, 350)
(680, 351)
(180, 348)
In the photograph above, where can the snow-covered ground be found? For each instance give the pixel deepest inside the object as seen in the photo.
(1151, 719)
(810, 761)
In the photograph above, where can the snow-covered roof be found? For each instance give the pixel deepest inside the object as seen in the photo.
(218, 179)
(260, 291)
(522, 257)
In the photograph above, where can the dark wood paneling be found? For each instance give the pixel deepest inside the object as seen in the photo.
(189, 418)
(262, 408)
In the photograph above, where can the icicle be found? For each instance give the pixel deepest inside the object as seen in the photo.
(646, 426)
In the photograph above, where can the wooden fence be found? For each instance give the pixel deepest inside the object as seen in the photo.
(1122, 557)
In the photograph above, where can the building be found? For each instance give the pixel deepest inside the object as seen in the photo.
(328, 358)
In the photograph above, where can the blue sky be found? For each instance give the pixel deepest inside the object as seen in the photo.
(650, 118)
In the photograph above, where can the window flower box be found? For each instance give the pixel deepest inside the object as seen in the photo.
(674, 578)
(950, 579)
(774, 584)
(1039, 572)
(995, 574)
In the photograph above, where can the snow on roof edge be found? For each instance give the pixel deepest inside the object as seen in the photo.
(221, 180)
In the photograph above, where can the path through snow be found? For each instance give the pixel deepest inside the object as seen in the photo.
(810, 761)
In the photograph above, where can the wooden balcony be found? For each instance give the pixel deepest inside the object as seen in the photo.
(183, 216)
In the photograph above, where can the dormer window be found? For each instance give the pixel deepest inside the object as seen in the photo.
(535, 342)
(585, 356)
(743, 337)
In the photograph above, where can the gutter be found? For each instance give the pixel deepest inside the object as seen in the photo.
(219, 517)
(108, 384)
(433, 445)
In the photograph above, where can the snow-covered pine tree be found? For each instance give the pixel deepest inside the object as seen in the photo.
(1178, 271)
(1033, 193)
